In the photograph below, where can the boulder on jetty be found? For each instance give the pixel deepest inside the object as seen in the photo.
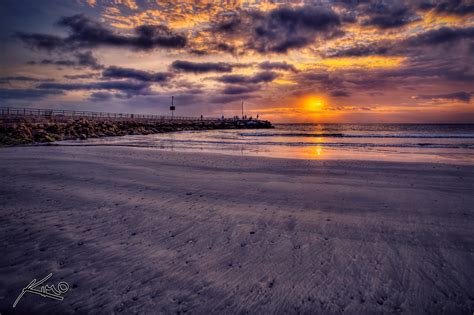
(27, 132)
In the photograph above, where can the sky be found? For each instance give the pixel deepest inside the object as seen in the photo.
(320, 61)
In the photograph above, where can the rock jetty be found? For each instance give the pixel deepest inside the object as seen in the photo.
(27, 132)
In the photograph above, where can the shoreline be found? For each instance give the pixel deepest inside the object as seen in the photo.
(316, 153)
(152, 231)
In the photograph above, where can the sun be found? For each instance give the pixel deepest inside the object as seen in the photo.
(313, 103)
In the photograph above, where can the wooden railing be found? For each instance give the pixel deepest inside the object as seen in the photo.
(13, 113)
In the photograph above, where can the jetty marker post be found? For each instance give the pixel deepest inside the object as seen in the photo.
(242, 110)
(172, 107)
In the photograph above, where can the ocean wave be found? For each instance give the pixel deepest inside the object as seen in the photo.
(192, 143)
(342, 135)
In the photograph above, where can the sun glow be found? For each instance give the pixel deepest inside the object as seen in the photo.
(313, 103)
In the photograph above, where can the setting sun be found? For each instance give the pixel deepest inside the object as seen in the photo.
(313, 103)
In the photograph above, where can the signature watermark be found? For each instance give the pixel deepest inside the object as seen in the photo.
(49, 291)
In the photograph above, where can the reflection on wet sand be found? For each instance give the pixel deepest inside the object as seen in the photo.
(418, 143)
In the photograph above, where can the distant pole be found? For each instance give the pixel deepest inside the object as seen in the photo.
(172, 107)
(242, 109)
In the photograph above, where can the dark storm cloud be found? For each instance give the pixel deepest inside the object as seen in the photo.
(26, 93)
(237, 89)
(267, 65)
(361, 51)
(129, 87)
(201, 67)
(281, 29)
(383, 14)
(386, 14)
(441, 36)
(127, 73)
(452, 7)
(413, 44)
(85, 32)
(261, 77)
(287, 28)
(459, 96)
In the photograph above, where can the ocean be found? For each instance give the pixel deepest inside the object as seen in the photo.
(450, 143)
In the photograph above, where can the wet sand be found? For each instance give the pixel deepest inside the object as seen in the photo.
(135, 230)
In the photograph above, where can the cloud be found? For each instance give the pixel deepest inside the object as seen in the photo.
(451, 71)
(361, 51)
(82, 59)
(127, 73)
(448, 69)
(260, 77)
(385, 15)
(105, 96)
(22, 78)
(340, 93)
(212, 48)
(281, 29)
(26, 93)
(57, 62)
(237, 89)
(201, 67)
(85, 32)
(441, 36)
(285, 28)
(456, 7)
(228, 23)
(129, 87)
(325, 81)
(87, 59)
(225, 99)
(267, 65)
(41, 41)
(459, 96)
(81, 76)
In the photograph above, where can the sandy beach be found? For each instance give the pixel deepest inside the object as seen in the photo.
(134, 230)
